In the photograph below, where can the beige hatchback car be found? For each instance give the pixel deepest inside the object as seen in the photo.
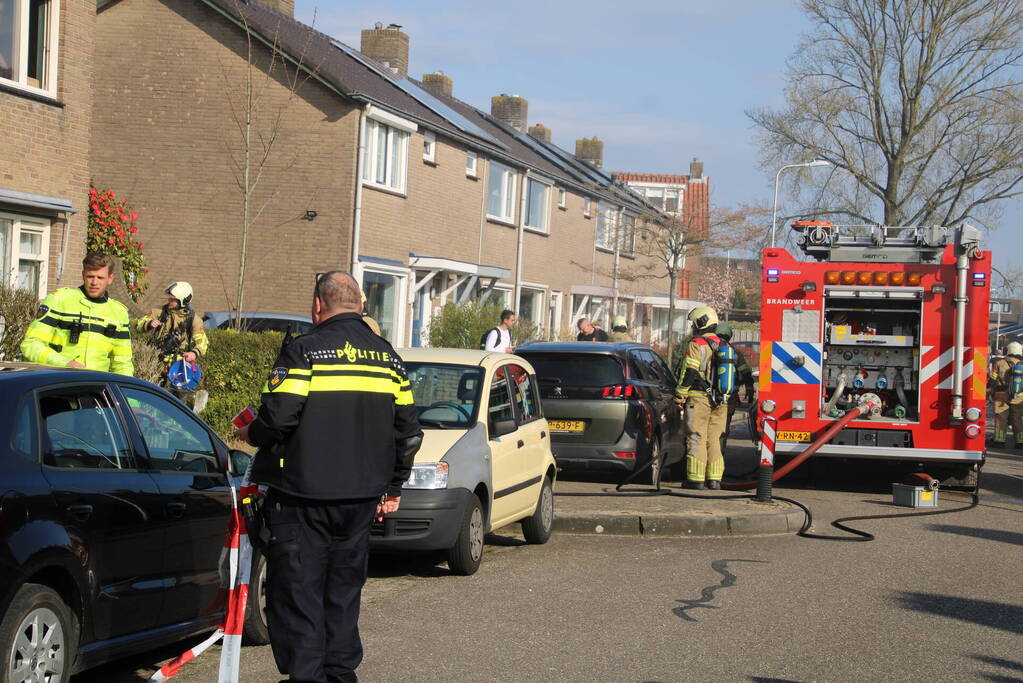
(486, 458)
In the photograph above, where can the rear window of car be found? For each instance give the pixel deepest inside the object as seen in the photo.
(577, 370)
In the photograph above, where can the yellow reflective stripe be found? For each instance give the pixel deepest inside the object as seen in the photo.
(692, 363)
(404, 398)
(375, 385)
(338, 367)
(299, 372)
(298, 387)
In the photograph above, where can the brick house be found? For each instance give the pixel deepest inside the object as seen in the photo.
(45, 111)
(425, 198)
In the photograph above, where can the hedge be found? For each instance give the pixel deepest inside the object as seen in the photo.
(234, 372)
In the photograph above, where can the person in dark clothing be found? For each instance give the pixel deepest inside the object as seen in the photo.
(337, 432)
(587, 332)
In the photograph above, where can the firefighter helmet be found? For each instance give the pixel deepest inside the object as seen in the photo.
(619, 321)
(182, 291)
(1015, 349)
(702, 317)
(724, 330)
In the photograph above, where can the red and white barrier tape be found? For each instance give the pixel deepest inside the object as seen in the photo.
(238, 553)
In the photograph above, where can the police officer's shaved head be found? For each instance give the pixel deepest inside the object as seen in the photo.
(338, 292)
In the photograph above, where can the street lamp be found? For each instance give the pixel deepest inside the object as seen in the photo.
(777, 176)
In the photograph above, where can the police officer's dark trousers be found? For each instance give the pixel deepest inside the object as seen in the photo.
(317, 562)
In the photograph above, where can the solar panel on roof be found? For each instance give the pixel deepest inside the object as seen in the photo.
(421, 96)
(543, 151)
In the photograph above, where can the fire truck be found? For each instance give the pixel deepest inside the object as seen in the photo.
(891, 316)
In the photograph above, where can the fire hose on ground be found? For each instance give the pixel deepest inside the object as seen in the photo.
(767, 475)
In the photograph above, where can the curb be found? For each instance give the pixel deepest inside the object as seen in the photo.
(764, 524)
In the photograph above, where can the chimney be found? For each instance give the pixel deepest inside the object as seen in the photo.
(285, 7)
(695, 169)
(590, 151)
(389, 46)
(540, 132)
(438, 83)
(510, 109)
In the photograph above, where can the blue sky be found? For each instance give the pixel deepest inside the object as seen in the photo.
(660, 81)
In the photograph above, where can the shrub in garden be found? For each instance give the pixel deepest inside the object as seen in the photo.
(111, 230)
(460, 326)
(234, 372)
(17, 309)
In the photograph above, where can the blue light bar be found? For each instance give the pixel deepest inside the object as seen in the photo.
(979, 276)
(773, 272)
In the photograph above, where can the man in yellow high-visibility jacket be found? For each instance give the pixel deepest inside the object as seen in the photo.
(82, 327)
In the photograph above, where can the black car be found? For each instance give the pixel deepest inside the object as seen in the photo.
(114, 505)
(609, 406)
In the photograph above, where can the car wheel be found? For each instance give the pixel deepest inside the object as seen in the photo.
(38, 636)
(537, 527)
(656, 460)
(256, 631)
(465, 555)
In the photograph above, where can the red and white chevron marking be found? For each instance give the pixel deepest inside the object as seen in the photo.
(768, 429)
(936, 366)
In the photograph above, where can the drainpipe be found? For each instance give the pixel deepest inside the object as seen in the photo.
(614, 278)
(484, 178)
(359, 165)
(518, 245)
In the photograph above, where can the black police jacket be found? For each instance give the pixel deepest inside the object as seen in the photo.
(337, 419)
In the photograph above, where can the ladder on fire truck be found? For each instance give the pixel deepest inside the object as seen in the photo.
(825, 241)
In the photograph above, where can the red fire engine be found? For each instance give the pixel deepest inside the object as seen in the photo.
(896, 317)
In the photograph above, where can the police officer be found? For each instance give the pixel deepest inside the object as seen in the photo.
(174, 328)
(82, 327)
(337, 431)
(705, 421)
(743, 378)
(620, 330)
(1008, 408)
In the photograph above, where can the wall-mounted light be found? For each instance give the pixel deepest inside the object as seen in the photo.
(309, 215)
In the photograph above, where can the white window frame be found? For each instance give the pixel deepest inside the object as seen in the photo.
(19, 76)
(472, 164)
(605, 218)
(562, 198)
(402, 336)
(627, 234)
(508, 178)
(538, 314)
(587, 211)
(429, 146)
(545, 210)
(394, 130)
(13, 254)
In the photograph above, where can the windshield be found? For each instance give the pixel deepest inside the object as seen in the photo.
(446, 396)
(576, 369)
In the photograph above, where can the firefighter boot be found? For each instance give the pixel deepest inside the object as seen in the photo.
(697, 419)
(999, 439)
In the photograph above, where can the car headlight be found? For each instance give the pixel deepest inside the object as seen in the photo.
(428, 475)
(973, 414)
(768, 406)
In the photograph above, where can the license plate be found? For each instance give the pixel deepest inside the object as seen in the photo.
(566, 425)
(794, 436)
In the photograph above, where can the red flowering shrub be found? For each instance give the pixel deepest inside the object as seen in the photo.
(110, 231)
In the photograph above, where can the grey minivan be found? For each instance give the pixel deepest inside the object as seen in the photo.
(609, 406)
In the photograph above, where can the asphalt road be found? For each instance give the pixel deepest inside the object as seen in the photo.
(933, 598)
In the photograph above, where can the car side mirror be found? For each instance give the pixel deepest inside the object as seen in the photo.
(501, 427)
(239, 461)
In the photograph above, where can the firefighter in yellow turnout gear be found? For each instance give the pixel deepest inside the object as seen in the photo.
(174, 328)
(704, 421)
(1008, 405)
(82, 327)
(743, 377)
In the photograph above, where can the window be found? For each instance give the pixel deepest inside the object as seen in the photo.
(531, 304)
(24, 250)
(655, 195)
(627, 234)
(81, 429)
(429, 147)
(445, 395)
(386, 154)
(470, 164)
(586, 208)
(501, 193)
(577, 369)
(562, 198)
(671, 201)
(605, 226)
(28, 43)
(381, 291)
(536, 205)
(524, 388)
(175, 440)
(500, 405)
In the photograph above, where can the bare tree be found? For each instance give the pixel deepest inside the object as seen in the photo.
(259, 115)
(916, 102)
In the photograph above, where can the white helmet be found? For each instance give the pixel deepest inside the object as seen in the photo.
(182, 291)
(1015, 349)
(703, 317)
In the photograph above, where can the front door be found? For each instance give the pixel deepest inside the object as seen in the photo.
(110, 505)
(196, 502)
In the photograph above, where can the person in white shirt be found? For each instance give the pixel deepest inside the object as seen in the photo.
(499, 338)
